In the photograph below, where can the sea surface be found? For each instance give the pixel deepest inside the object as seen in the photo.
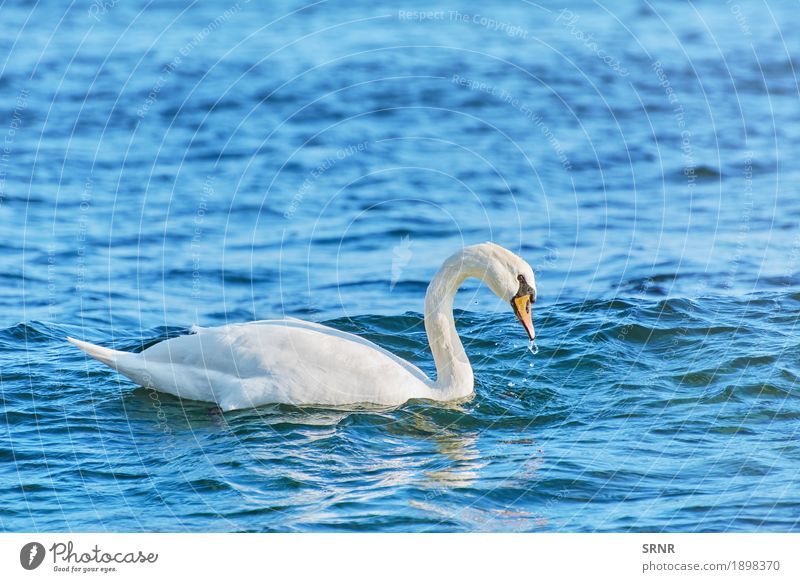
(170, 164)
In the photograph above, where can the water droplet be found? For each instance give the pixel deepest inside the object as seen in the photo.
(533, 348)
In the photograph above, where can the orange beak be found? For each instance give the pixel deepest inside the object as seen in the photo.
(522, 309)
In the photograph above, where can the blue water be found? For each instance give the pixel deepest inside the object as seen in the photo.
(170, 164)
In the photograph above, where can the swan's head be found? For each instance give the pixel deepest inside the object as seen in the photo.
(511, 279)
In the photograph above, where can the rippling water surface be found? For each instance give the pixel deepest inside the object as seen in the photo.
(170, 164)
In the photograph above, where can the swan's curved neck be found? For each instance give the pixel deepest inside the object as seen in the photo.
(454, 377)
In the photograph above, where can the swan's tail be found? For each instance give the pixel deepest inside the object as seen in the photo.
(106, 355)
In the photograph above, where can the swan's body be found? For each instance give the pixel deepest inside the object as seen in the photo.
(296, 362)
(275, 361)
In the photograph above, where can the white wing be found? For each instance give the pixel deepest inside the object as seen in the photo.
(274, 361)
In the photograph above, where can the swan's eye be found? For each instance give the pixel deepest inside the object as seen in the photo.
(524, 288)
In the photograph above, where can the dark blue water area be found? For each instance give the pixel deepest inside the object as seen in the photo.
(167, 164)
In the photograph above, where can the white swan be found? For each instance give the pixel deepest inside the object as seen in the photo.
(296, 362)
